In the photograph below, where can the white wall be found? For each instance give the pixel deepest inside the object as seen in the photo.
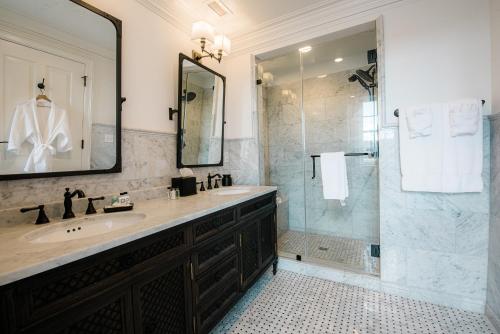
(495, 54)
(435, 51)
(150, 52)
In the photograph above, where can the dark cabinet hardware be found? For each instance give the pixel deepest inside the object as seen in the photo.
(90, 208)
(42, 217)
(68, 203)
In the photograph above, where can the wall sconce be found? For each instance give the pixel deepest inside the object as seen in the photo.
(203, 33)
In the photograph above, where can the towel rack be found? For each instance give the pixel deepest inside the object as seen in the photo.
(314, 156)
(396, 112)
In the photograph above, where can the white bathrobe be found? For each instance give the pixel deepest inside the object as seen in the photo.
(46, 128)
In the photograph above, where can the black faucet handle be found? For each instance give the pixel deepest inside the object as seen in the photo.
(42, 217)
(202, 187)
(90, 208)
(216, 185)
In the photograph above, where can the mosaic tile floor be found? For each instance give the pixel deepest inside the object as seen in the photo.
(291, 303)
(349, 252)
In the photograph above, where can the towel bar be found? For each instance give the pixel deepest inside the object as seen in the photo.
(396, 112)
(346, 154)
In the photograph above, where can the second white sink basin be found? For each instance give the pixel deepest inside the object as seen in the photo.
(83, 228)
(230, 191)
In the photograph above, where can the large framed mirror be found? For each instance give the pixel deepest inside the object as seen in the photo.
(60, 89)
(200, 134)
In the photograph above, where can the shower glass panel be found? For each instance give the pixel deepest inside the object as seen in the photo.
(323, 100)
(280, 118)
(340, 116)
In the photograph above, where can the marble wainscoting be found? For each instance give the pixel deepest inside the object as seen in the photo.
(434, 247)
(493, 290)
(149, 163)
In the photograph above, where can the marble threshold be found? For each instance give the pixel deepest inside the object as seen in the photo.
(20, 259)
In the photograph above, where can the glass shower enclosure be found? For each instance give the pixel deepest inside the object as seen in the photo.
(320, 99)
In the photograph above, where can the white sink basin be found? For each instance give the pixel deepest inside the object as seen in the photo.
(230, 191)
(83, 227)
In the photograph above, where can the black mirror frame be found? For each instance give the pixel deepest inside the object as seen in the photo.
(117, 168)
(183, 57)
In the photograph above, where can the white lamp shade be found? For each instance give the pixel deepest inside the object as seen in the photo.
(222, 43)
(202, 29)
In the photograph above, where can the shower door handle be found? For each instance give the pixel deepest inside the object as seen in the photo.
(314, 165)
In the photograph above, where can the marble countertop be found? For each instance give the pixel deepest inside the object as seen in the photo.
(20, 259)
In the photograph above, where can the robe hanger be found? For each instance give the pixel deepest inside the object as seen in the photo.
(42, 96)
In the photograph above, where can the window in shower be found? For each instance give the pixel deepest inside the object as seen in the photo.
(310, 104)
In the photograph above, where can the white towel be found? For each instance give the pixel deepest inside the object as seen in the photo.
(334, 176)
(419, 121)
(465, 116)
(440, 162)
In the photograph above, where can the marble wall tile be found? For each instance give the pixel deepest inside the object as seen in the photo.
(493, 289)
(149, 163)
(333, 119)
(433, 245)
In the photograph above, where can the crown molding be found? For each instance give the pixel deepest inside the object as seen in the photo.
(166, 11)
(314, 21)
(311, 21)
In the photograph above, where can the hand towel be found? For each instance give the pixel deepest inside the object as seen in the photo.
(441, 162)
(464, 117)
(421, 156)
(334, 176)
(419, 121)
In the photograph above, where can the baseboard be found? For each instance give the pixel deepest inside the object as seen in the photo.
(493, 318)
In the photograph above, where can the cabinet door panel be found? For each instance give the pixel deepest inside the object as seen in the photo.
(161, 301)
(267, 237)
(249, 252)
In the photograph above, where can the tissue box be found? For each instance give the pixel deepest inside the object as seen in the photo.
(186, 185)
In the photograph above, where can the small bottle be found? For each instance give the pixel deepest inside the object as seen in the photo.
(124, 199)
(172, 194)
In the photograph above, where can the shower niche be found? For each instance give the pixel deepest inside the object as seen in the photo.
(312, 100)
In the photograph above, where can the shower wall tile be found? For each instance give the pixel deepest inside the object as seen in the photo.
(333, 110)
(493, 286)
(433, 244)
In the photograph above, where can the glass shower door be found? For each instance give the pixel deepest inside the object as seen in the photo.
(339, 115)
(280, 121)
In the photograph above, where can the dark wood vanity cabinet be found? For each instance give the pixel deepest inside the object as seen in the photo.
(181, 280)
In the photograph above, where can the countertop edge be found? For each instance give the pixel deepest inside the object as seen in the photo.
(14, 276)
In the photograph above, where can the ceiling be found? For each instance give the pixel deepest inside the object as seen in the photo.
(62, 16)
(245, 16)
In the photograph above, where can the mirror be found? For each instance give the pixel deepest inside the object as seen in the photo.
(60, 92)
(200, 137)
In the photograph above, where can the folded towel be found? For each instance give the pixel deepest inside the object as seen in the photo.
(334, 176)
(465, 117)
(419, 121)
(441, 162)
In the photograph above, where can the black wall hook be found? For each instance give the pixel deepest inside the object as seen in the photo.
(41, 85)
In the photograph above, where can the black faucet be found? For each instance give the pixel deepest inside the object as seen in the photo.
(68, 204)
(90, 208)
(210, 177)
(42, 217)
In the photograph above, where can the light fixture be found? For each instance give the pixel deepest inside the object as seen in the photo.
(339, 60)
(267, 77)
(322, 76)
(305, 49)
(203, 33)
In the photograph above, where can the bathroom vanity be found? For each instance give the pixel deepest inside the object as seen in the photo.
(177, 271)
